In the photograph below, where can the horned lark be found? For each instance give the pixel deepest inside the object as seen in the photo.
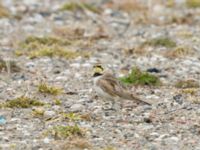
(108, 87)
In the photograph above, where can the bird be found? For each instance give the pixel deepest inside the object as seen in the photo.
(109, 87)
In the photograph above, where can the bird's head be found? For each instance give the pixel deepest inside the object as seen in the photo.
(97, 70)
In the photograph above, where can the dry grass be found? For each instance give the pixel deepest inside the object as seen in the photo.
(4, 12)
(130, 5)
(180, 51)
(69, 32)
(38, 112)
(79, 6)
(185, 34)
(35, 47)
(9, 66)
(139, 50)
(75, 143)
(187, 84)
(22, 102)
(193, 3)
(182, 19)
(191, 91)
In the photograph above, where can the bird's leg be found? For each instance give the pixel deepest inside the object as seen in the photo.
(116, 105)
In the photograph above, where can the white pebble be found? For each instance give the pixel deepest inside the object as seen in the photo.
(49, 114)
(77, 107)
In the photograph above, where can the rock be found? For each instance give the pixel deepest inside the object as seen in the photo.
(76, 107)
(153, 70)
(49, 114)
(46, 140)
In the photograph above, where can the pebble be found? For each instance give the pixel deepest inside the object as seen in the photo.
(75, 65)
(56, 107)
(49, 114)
(76, 107)
(30, 64)
(46, 140)
(174, 139)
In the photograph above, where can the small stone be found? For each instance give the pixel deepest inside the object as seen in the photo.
(78, 75)
(75, 65)
(46, 140)
(153, 70)
(56, 107)
(30, 64)
(49, 114)
(86, 65)
(175, 139)
(76, 107)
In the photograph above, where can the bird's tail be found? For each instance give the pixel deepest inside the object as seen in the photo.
(131, 96)
(140, 100)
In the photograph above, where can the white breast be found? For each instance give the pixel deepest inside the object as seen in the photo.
(99, 91)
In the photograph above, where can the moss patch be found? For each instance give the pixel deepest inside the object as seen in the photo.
(187, 84)
(62, 132)
(44, 88)
(137, 77)
(193, 3)
(73, 6)
(161, 41)
(22, 102)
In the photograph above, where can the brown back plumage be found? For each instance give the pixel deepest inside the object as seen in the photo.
(115, 88)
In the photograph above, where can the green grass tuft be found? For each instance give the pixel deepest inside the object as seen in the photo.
(35, 47)
(57, 102)
(72, 116)
(137, 77)
(22, 102)
(161, 41)
(44, 88)
(62, 132)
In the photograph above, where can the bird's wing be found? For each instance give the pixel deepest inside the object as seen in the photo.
(113, 87)
(110, 85)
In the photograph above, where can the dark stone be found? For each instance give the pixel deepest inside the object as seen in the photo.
(153, 70)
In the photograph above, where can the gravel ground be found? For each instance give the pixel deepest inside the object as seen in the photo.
(114, 37)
